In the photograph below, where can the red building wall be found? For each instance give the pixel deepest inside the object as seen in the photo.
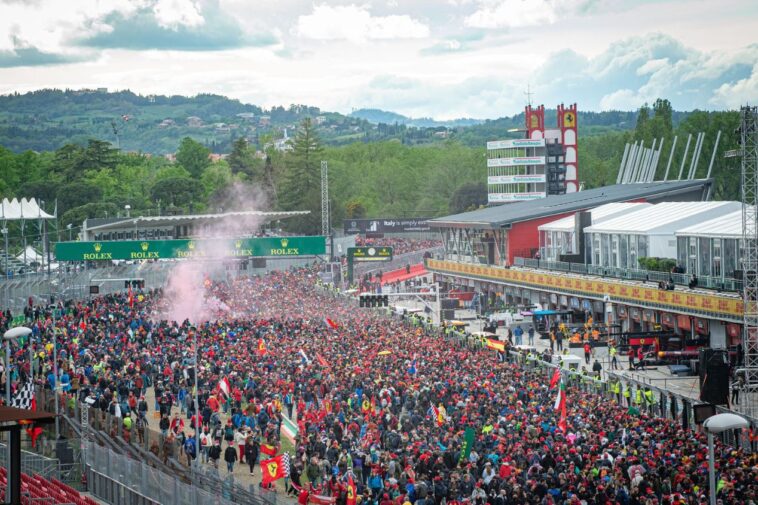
(524, 236)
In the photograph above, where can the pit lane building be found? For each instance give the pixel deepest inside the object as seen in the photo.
(494, 252)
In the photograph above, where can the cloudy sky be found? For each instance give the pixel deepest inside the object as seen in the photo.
(439, 58)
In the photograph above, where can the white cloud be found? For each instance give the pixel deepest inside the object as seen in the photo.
(652, 66)
(623, 99)
(356, 24)
(175, 13)
(742, 92)
(511, 13)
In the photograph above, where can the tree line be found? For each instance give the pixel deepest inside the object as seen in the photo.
(94, 179)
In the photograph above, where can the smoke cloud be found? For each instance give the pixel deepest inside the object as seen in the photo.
(188, 294)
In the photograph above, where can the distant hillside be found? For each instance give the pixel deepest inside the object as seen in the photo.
(48, 119)
(378, 116)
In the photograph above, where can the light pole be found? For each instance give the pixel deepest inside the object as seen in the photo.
(9, 335)
(69, 231)
(127, 208)
(718, 424)
(5, 233)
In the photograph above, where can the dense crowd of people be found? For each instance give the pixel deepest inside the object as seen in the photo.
(399, 245)
(376, 401)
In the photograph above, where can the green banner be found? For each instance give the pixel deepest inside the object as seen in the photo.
(468, 443)
(369, 253)
(274, 247)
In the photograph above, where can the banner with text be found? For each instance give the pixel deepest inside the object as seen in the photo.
(364, 226)
(167, 249)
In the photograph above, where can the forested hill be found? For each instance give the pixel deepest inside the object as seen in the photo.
(48, 119)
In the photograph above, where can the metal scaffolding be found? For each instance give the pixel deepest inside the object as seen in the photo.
(325, 199)
(749, 152)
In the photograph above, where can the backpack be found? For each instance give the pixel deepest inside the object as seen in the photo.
(229, 434)
(189, 447)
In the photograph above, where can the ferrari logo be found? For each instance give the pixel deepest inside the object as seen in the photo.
(272, 468)
(350, 492)
(569, 120)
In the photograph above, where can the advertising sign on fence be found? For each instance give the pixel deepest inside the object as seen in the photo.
(364, 226)
(167, 249)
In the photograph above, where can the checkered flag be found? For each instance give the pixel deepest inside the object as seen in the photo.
(286, 464)
(24, 397)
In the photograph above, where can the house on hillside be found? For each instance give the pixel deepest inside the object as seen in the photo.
(194, 122)
(167, 123)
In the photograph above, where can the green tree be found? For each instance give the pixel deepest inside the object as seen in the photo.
(302, 181)
(354, 209)
(77, 215)
(242, 159)
(468, 196)
(176, 192)
(76, 194)
(98, 155)
(193, 156)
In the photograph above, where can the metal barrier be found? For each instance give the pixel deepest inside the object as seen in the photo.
(120, 480)
(725, 284)
(33, 463)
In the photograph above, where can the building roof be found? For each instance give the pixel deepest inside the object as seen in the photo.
(726, 226)
(15, 210)
(105, 224)
(599, 214)
(11, 416)
(503, 215)
(663, 218)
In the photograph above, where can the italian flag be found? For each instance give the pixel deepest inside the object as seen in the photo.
(225, 389)
(560, 406)
(555, 378)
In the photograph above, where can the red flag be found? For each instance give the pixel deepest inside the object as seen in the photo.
(322, 361)
(351, 491)
(274, 469)
(331, 324)
(560, 406)
(34, 432)
(373, 405)
(268, 450)
(131, 297)
(555, 378)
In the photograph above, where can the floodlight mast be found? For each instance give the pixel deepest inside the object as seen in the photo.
(749, 151)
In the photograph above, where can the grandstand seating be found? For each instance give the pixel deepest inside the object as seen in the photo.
(36, 490)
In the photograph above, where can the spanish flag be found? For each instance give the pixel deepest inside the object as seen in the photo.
(439, 414)
(275, 468)
(496, 345)
(261, 346)
(268, 450)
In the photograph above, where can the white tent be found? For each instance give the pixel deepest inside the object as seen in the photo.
(31, 256)
(14, 210)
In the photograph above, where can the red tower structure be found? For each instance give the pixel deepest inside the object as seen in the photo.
(567, 123)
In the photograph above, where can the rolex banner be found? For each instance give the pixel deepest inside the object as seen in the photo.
(272, 247)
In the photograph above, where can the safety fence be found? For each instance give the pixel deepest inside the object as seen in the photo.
(113, 465)
(717, 283)
(399, 261)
